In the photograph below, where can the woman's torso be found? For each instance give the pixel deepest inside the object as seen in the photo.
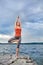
(17, 31)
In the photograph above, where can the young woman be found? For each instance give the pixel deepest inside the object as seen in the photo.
(17, 37)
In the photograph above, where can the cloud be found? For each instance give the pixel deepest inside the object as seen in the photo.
(4, 38)
(31, 14)
(32, 32)
(34, 25)
(30, 36)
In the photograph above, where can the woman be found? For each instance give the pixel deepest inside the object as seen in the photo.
(17, 37)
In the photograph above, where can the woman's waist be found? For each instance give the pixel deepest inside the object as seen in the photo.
(17, 34)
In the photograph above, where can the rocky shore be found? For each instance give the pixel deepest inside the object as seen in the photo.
(10, 59)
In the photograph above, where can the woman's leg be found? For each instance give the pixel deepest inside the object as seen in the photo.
(17, 49)
(17, 52)
(18, 44)
(10, 40)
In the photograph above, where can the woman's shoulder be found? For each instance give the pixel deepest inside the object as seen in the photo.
(17, 27)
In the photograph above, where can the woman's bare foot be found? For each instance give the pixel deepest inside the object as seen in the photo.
(16, 56)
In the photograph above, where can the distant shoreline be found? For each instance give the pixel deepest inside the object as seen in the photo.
(21, 43)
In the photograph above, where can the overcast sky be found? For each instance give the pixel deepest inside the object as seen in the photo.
(31, 16)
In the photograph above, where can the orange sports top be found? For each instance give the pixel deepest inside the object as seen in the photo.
(17, 32)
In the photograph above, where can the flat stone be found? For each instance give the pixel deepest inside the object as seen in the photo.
(8, 59)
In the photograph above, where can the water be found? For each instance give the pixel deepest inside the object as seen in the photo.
(33, 50)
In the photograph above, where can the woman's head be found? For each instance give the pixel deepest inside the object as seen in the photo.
(17, 23)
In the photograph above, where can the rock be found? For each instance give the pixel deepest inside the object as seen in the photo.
(8, 59)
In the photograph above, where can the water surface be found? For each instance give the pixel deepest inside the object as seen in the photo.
(33, 50)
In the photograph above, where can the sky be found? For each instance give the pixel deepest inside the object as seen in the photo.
(31, 16)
